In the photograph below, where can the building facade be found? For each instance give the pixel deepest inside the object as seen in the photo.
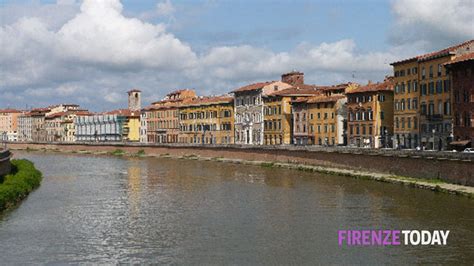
(423, 99)
(320, 120)
(249, 111)
(207, 120)
(25, 126)
(99, 127)
(370, 115)
(9, 124)
(278, 115)
(162, 117)
(461, 70)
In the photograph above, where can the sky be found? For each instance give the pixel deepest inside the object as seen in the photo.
(91, 52)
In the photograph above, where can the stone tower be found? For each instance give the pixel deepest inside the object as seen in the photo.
(294, 78)
(134, 100)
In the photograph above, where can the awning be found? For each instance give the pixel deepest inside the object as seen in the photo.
(460, 143)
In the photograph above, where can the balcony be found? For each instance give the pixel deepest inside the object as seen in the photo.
(436, 117)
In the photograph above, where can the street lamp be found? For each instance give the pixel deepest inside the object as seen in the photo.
(433, 131)
(386, 137)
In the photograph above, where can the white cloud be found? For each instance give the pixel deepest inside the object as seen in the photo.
(165, 8)
(97, 54)
(100, 34)
(431, 23)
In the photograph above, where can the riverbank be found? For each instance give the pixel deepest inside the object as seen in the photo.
(454, 168)
(14, 187)
(435, 185)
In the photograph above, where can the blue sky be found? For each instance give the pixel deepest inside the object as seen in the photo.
(92, 51)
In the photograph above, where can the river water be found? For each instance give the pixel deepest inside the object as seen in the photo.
(102, 209)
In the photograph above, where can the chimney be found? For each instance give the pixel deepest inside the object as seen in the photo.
(293, 78)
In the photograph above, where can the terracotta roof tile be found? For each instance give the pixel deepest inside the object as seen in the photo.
(386, 85)
(461, 58)
(300, 90)
(209, 101)
(254, 86)
(445, 51)
(10, 111)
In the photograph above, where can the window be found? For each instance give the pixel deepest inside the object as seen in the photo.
(415, 103)
(423, 89)
(431, 71)
(439, 70)
(408, 104)
(409, 122)
(408, 71)
(414, 70)
(415, 123)
(431, 88)
(415, 86)
(447, 107)
(431, 108)
(408, 86)
(439, 86)
(447, 84)
(423, 73)
(382, 116)
(423, 108)
(440, 107)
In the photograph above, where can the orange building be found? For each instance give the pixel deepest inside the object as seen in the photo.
(423, 98)
(162, 117)
(370, 114)
(9, 124)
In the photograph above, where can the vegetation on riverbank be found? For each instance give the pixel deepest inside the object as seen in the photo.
(23, 179)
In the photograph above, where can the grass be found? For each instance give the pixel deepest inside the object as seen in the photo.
(267, 164)
(140, 153)
(23, 179)
(118, 152)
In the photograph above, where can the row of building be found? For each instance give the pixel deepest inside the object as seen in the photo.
(428, 102)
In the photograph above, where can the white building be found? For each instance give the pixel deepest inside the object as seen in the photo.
(99, 127)
(25, 125)
(249, 111)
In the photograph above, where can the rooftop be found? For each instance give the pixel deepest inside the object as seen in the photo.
(462, 58)
(254, 86)
(428, 56)
(9, 111)
(386, 85)
(209, 100)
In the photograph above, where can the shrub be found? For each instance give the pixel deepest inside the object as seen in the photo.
(17, 185)
(141, 153)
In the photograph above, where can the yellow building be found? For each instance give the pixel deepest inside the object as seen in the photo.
(207, 120)
(277, 113)
(370, 114)
(422, 99)
(133, 125)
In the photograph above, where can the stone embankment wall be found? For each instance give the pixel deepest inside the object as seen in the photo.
(5, 165)
(447, 166)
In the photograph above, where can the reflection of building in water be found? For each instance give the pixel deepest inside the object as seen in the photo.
(134, 186)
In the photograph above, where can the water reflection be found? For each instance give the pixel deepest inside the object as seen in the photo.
(139, 210)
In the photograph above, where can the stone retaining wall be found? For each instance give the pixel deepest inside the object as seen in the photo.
(451, 167)
(5, 166)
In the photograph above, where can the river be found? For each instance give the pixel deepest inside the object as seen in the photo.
(104, 209)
